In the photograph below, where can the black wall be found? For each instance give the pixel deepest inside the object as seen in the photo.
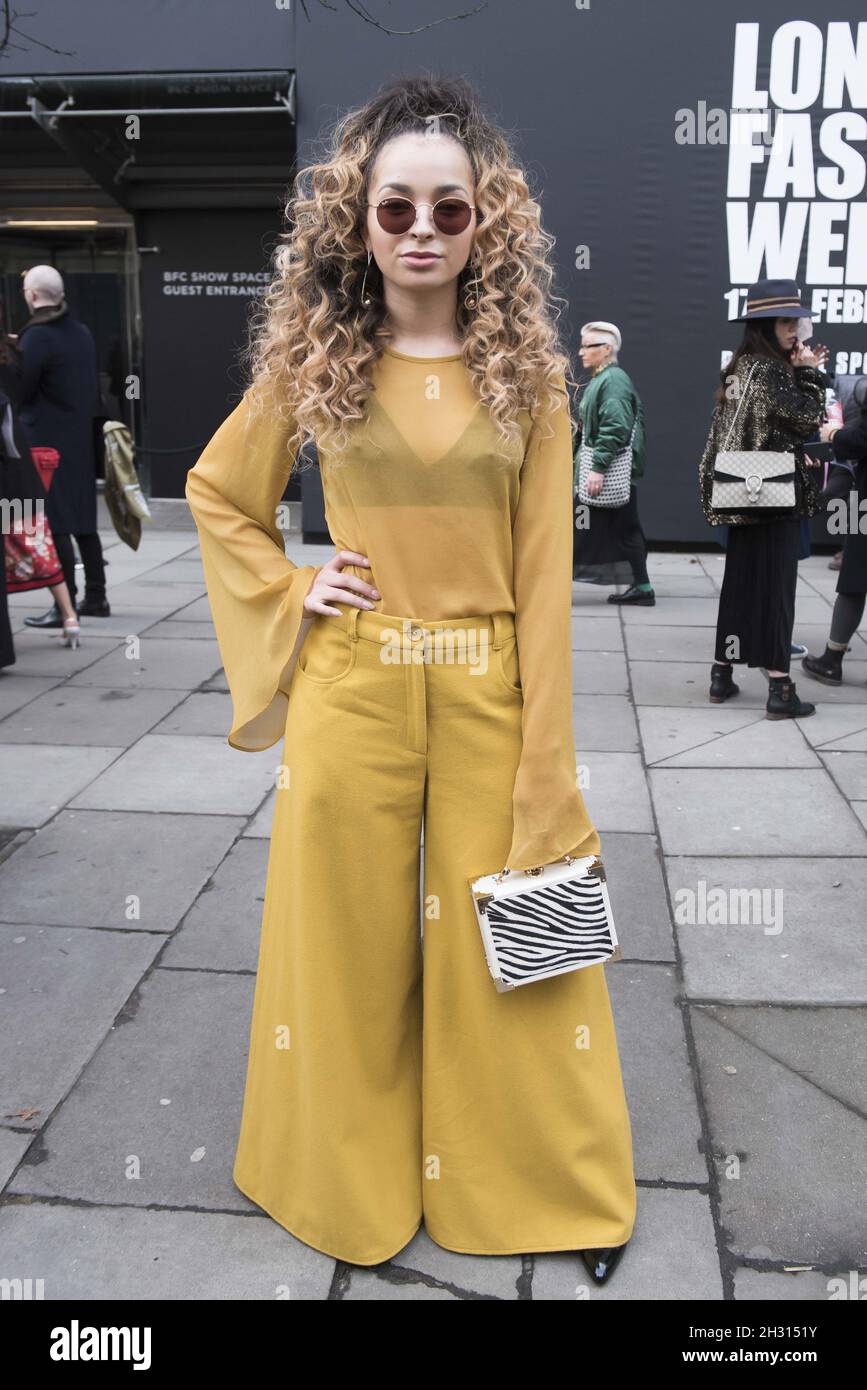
(591, 96)
(194, 310)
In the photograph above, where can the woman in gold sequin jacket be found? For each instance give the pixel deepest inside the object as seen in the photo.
(782, 407)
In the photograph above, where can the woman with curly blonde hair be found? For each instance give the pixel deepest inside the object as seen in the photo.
(421, 681)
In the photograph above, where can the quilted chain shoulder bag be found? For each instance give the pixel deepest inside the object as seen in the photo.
(753, 480)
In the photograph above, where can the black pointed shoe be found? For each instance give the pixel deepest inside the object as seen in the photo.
(600, 1264)
(783, 700)
(52, 617)
(633, 594)
(827, 668)
(721, 683)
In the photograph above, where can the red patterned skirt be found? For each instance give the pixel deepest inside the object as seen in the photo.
(30, 557)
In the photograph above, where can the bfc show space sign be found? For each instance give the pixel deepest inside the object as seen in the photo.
(796, 177)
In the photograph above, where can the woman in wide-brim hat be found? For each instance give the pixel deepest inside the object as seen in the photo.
(783, 406)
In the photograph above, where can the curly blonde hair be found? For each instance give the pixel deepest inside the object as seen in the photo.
(312, 344)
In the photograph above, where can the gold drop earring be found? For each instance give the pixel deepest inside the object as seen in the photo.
(365, 298)
(471, 298)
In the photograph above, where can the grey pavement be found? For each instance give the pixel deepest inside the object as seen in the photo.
(133, 852)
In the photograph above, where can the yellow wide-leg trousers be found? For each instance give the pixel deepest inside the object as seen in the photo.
(388, 1082)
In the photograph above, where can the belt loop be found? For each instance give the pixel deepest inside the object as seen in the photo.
(500, 632)
(353, 623)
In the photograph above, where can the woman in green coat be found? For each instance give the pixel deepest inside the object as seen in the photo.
(609, 544)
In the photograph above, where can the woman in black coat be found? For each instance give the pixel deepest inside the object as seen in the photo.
(58, 401)
(21, 486)
(847, 442)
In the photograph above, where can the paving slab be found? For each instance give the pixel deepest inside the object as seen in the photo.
(849, 771)
(203, 712)
(752, 811)
(126, 1255)
(784, 1093)
(796, 939)
(597, 634)
(17, 689)
(677, 684)
(639, 901)
(605, 723)
(615, 790)
(41, 654)
(196, 610)
(157, 663)
(801, 1286)
(168, 596)
(63, 987)
(735, 740)
(13, 1146)
(835, 723)
(180, 630)
(174, 772)
(84, 868)
(72, 714)
(155, 1118)
(488, 1276)
(667, 730)
(599, 672)
(39, 778)
(660, 643)
(656, 1073)
(672, 1255)
(260, 825)
(221, 930)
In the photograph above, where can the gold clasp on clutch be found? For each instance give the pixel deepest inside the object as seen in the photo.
(566, 858)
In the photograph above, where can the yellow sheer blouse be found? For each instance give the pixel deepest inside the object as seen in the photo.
(451, 528)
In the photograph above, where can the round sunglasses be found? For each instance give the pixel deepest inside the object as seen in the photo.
(451, 216)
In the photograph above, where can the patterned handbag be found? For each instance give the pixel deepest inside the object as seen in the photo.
(560, 921)
(616, 480)
(30, 559)
(752, 479)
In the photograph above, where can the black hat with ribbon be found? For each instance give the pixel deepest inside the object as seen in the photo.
(774, 299)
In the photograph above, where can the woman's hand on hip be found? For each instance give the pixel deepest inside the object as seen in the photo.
(332, 583)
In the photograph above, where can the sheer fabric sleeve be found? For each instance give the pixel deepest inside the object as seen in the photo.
(549, 814)
(256, 593)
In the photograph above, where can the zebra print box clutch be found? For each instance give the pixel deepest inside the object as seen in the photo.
(536, 923)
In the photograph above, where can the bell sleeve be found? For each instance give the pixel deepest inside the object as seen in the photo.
(256, 593)
(550, 818)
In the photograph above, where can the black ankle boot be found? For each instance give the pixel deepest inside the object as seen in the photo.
(721, 683)
(827, 668)
(783, 700)
(95, 606)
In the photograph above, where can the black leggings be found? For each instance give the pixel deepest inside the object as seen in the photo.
(847, 614)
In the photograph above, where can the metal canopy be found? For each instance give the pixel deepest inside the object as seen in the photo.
(152, 140)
